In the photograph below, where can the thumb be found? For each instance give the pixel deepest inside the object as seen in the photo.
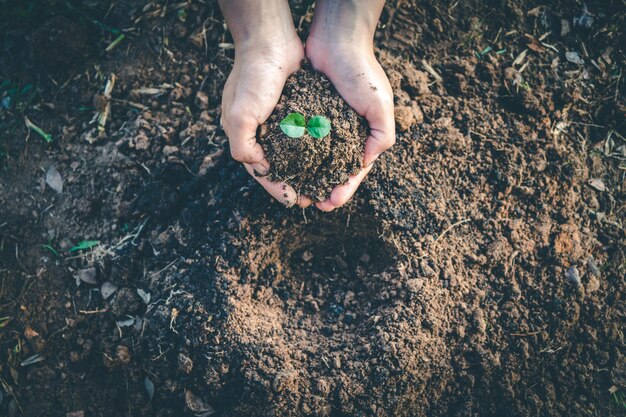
(382, 132)
(241, 132)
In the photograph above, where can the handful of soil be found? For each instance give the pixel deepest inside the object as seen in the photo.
(314, 166)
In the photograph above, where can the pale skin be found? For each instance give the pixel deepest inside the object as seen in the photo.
(268, 50)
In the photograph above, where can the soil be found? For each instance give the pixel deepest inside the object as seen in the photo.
(314, 166)
(479, 270)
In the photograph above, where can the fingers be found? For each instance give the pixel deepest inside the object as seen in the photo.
(341, 194)
(382, 130)
(376, 144)
(280, 191)
(241, 132)
(304, 201)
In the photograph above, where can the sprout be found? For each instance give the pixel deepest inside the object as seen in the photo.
(294, 126)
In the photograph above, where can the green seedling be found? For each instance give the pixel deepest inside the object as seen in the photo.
(30, 125)
(318, 127)
(85, 244)
(295, 124)
(116, 42)
(51, 249)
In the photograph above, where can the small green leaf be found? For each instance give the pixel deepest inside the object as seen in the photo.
(293, 125)
(47, 137)
(318, 126)
(85, 244)
(51, 249)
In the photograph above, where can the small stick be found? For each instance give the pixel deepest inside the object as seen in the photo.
(103, 310)
(102, 118)
(431, 70)
(524, 334)
(450, 228)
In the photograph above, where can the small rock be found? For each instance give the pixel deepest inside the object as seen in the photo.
(565, 27)
(107, 289)
(593, 284)
(573, 276)
(414, 285)
(170, 150)
(592, 265)
(598, 184)
(197, 405)
(584, 21)
(122, 355)
(140, 142)
(185, 364)
(405, 118)
(416, 81)
(307, 255)
(125, 302)
(337, 362)
(54, 179)
(574, 58)
(479, 321)
(88, 275)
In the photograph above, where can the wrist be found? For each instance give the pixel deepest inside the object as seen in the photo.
(259, 24)
(346, 23)
(267, 41)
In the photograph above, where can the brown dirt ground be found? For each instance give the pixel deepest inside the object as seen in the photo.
(314, 166)
(479, 270)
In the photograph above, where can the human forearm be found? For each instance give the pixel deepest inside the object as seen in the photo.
(351, 21)
(258, 23)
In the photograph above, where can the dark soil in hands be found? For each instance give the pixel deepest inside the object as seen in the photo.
(312, 166)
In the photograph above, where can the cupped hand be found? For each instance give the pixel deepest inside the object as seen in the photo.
(251, 92)
(361, 81)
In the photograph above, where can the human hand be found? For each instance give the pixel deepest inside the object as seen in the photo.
(251, 92)
(361, 81)
(267, 51)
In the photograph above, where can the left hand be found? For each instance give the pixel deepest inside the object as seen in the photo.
(361, 81)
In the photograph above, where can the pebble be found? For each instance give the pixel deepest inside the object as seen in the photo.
(122, 355)
(185, 364)
(126, 301)
(170, 150)
(593, 266)
(573, 276)
(414, 285)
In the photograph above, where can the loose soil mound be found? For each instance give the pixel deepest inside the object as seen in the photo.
(314, 166)
(479, 270)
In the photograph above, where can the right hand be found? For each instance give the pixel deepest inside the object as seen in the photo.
(251, 92)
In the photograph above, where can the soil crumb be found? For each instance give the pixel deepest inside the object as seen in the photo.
(313, 167)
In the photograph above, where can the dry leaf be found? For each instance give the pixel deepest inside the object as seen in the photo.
(107, 289)
(197, 406)
(535, 45)
(54, 179)
(574, 58)
(88, 275)
(598, 184)
(29, 333)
